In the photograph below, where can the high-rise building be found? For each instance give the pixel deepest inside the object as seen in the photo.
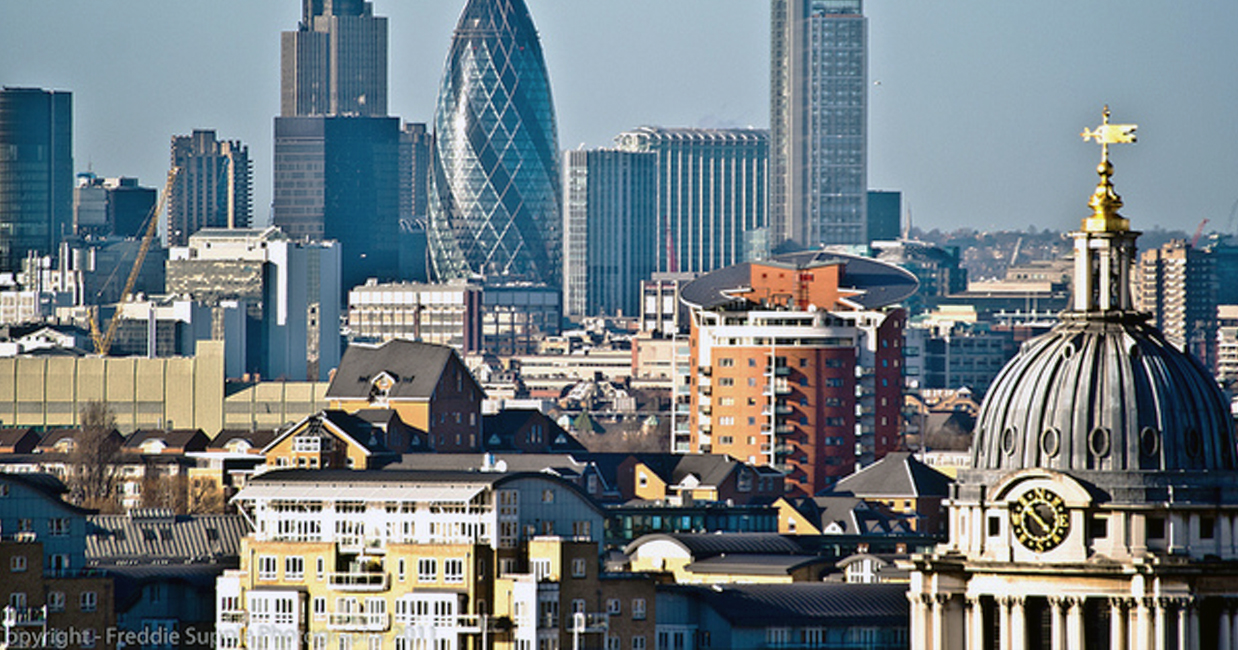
(796, 362)
(36, 172)
(711, 192)
(884, 220)
(818, 123)
(337, 178)
(335, 63)
(495, 200)
(609, 219)
(213, 188)
(1177, 286)
(107, 206)
(415, 150)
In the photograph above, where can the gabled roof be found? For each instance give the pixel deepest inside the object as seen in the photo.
(15, 436)
(898, 475)
(346, 426)
(413, 366)
(257, 439)
(499, 427)
(187, 439)
(852, 515)
(709, 469)
(156, 535)
(807, 603)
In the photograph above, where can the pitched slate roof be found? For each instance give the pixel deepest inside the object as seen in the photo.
(13, 436)
(499, 427)
(754, 564)
(561, 464)
(156, 536)
(808, 603)
(852, 514)
(898, 475)
(366, 435)
(706, 545)
(414, 366)
(257, 439)
(187, 439)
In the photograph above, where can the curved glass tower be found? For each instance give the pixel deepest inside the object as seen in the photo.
(495, 198)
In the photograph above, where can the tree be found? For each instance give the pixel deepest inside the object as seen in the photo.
(205, 497)
(93, 467)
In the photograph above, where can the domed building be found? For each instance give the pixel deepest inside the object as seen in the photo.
(1101, 509)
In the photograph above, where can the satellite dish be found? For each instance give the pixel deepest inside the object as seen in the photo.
(500, 466)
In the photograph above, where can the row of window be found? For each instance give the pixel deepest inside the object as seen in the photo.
(88, 601)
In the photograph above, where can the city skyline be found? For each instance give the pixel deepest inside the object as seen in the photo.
(968, 100)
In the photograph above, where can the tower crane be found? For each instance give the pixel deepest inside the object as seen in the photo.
(102, 340)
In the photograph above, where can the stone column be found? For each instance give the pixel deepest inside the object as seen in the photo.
(1004, 638)
(1074, 623)
(1018, 624)
(941, 619)
(1141, 631)
(1225, 635)
(1192, 624)
(1159, 622)
(1057, 630)
(1183, 637)
(919, 620)
(1117, 623)
(1231, 606)
(975, 623)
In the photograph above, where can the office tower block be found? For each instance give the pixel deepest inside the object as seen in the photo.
(711, 192)
(36, 172)
(1177, 285)
(335, 63)
(110, 206)
(818, 123)
(609, 223)
(290, 289)
(495, 197)
(415, 152)
(213, 188)
(884, 222)
(337, 178)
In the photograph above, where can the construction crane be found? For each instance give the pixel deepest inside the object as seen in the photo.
(1198, 231)
(103, 341)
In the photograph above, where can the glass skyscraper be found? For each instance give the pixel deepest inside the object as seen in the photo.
(495, 198)
(36, 172)
(818, 123)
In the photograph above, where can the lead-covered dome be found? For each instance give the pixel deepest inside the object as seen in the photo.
(1103, 393)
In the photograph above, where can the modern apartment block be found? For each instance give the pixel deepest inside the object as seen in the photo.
(419, 560)
(1177, 285)
(797, 363)
(36, 172)
(712, 186)
(213, 188)
(335, 63)
(610, 219)
(818, 123)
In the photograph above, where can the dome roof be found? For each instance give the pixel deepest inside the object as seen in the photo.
(1103, 392)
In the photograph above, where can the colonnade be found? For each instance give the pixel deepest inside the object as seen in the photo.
(951, 622)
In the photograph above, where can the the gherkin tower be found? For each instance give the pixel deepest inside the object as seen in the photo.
(495, 198)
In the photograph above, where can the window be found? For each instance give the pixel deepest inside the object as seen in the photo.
(58, 527)
(726, 381)
(1155, 527)
(89, 601)
(995, 526)
(17, 599)
(614, 643)
(777, 637)
(726, 362)
(614, 606)
(638, 642)
(1207, 527)
(638, 609)
(578, 568)
(268, 566)
(453, 571)
(401, 568)
(548, 496)
(427, 570)
(320, 608)
(376, 642)
(294, 567)
(320, 567)
(55, 601)
(582, 529)
(17, 564)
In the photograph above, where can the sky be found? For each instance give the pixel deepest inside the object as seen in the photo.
(975, 106)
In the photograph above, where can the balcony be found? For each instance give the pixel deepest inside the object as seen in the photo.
(24, 616)
(583, 623)
(352, 622)
(784, 428)
(232, 616)
(779, 371)
(359, 581)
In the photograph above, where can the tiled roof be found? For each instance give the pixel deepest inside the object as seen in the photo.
(156, 536)
(808, 603)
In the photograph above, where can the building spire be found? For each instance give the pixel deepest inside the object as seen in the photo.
(1105, 202)
(1105, 244)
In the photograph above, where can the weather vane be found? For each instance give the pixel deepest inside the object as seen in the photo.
(1105, 202)
(1107, 134)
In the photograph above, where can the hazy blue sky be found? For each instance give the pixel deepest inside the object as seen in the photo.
(975, 117)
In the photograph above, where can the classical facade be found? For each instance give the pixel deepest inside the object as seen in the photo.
(1099, 510)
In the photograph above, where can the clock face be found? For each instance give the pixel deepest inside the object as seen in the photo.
(1039, 519)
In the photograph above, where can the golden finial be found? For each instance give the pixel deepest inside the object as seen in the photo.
(1105, 202)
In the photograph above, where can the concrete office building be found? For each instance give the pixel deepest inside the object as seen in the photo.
(111, 206)
(712, 186)
(495, 198)
(36, 172)
(335, 63)
(293, 287)
(609, 222)
(213, 188)
(818, 123)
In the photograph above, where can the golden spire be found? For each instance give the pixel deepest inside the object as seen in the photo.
(1105, 202)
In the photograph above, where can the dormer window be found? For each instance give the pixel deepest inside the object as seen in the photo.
(380, 387)
(153, 446)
